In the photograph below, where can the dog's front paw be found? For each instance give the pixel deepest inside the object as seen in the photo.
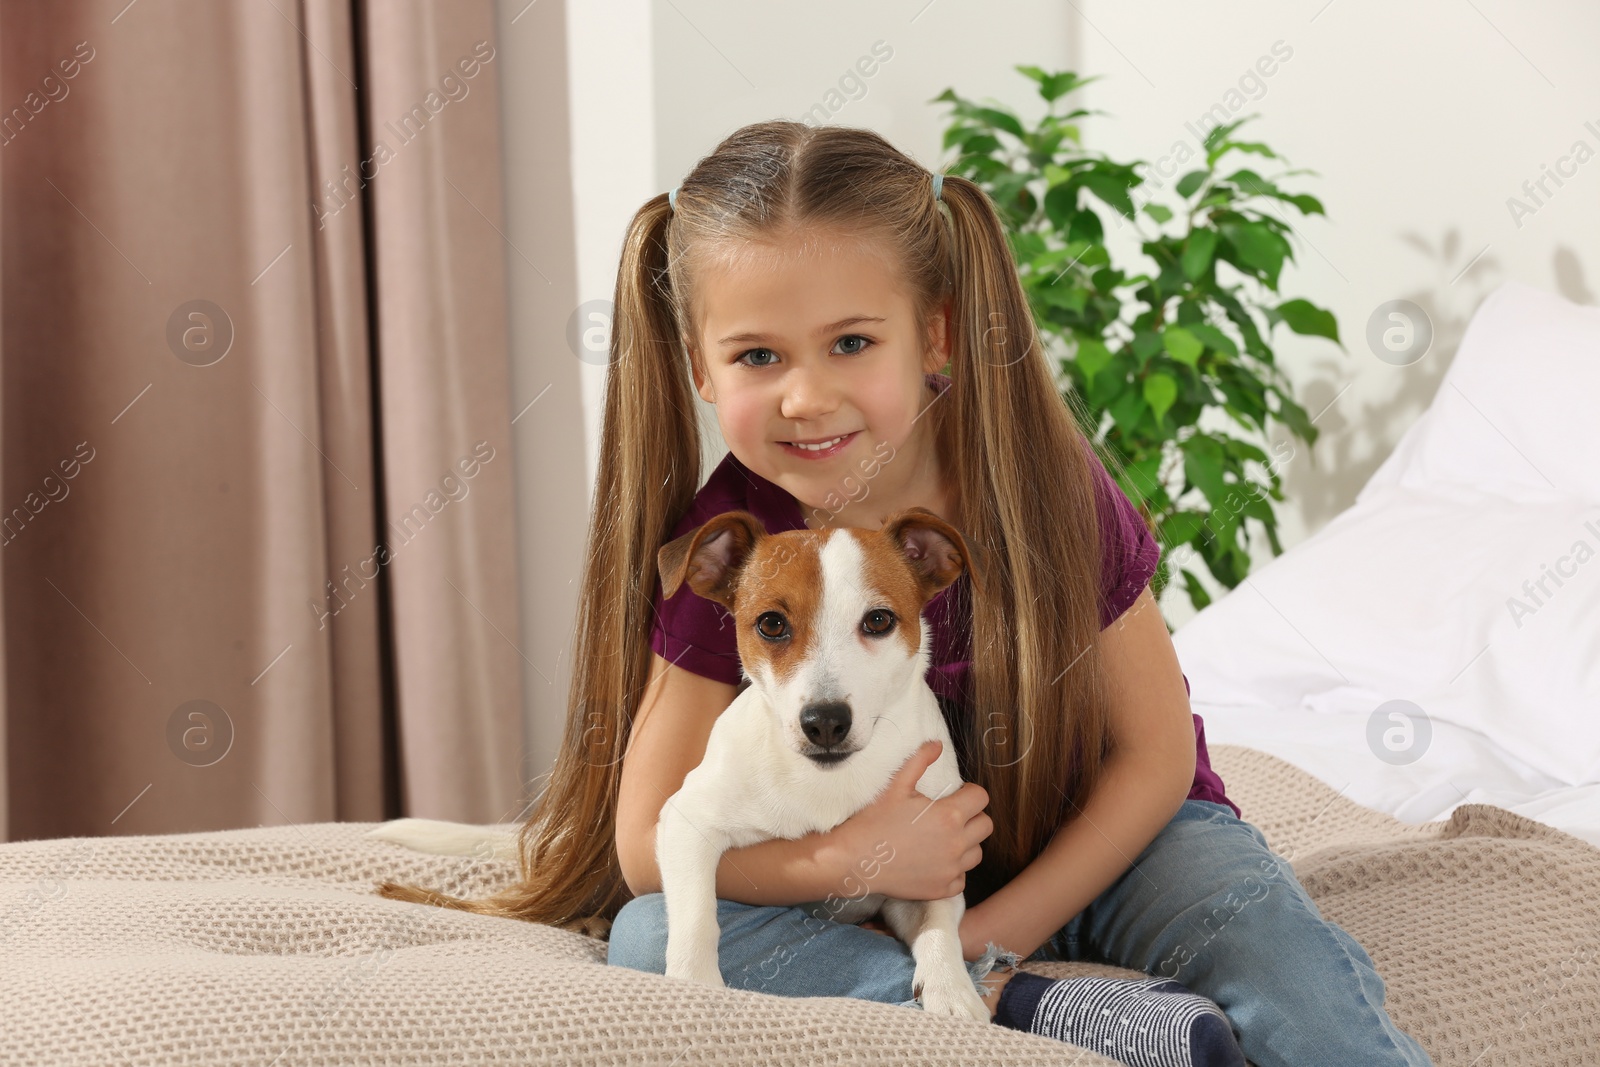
(705, 972)
(950, 993)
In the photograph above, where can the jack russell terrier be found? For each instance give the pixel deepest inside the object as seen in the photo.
(832, 640)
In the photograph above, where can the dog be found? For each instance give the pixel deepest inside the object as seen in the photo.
(832, 640)
(836, 705)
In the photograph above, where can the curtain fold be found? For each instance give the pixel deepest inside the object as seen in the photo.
(257, 548)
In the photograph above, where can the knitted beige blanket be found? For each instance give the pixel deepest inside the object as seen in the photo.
(268, 946)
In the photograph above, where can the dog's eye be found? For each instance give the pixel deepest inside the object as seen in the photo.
(772, 626)
(878, 621)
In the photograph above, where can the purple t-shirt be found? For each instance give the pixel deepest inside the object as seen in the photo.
(697, 634)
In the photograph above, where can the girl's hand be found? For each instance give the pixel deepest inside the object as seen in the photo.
(910, 847)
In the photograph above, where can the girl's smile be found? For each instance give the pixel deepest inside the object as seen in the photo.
(824, 449)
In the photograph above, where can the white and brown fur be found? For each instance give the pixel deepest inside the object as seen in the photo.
(831, 713)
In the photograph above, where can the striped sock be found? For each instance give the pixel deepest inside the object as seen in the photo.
(1142, 1022)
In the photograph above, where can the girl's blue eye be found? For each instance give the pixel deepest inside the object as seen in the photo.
(865, 343)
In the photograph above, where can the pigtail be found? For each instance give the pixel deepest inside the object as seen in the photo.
(649, 471)
(1039, 724)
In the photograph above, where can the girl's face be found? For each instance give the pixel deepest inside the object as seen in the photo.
(808, 341)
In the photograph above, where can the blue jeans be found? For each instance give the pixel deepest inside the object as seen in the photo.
(1207, 904)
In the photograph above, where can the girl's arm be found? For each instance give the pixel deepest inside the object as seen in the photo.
(1145, 783)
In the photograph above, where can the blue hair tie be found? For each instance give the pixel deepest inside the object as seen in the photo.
(672, 198)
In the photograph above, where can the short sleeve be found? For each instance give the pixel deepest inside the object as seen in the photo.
(1129, 551)
(692, 632)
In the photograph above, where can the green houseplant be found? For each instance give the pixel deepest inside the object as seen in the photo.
(1149, 352)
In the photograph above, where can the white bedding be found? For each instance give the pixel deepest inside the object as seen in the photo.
(1461, 766)
(1459, 589)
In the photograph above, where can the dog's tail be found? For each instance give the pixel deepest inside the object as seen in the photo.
(482, 842)
(448, 838)
(445, 839)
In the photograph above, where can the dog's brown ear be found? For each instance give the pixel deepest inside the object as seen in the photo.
(935, 549)
(710, 556)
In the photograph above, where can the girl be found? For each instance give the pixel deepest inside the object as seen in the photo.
(810, 282)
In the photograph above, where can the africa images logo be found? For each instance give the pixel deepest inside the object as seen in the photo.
(1536, 592)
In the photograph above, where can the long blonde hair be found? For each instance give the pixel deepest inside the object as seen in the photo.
(1037, 733)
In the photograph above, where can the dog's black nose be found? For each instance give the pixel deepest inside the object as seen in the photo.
(827, 723)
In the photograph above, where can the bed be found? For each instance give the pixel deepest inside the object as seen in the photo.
(1465, 863)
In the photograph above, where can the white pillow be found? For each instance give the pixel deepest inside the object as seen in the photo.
(1428, 588)
(1515, 406)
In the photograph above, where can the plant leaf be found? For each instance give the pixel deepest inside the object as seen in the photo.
(1198, 250)
(1127, 409)
(1092, 356)
(1308, 204)
(1182, 527)
(1110, 188)
(1061, 204)
(1259, 247)
(1203, 465)
(999, 119)
(1214, 339)
(1190, 182)
(1160, 391)
(1146, 343)
(1197, 594)
(1054, 86)
(1304, 317)
(1182, 345)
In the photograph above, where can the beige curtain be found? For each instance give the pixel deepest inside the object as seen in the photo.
(257, 544)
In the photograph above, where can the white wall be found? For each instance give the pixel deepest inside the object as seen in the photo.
(1421, 121)
(579, 133)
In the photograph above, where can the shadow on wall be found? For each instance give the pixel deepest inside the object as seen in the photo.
(1346, 445)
